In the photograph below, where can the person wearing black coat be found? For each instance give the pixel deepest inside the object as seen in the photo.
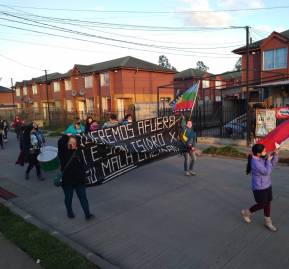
(73, 174)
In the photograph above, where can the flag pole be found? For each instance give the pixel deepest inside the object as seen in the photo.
(194, 100)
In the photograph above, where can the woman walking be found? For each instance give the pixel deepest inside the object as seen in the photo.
(260, 166)
(73, 175)
(33, 140)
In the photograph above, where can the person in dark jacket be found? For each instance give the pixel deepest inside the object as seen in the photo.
(1, 134)
(17, 124)
(188, 142)
(33, 140)
(88, 123)
(73, 174)
(6, 129)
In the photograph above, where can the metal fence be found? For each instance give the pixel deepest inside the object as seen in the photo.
(227, 118)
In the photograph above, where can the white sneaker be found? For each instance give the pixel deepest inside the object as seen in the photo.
(193, 173)
(268, 224)
(246, 214)
(187, 173)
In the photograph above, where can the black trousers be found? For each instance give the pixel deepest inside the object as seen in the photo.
(1, 140)
(32, 161)
(81, 194)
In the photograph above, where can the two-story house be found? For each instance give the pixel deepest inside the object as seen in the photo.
(268, 69)
(108, 87)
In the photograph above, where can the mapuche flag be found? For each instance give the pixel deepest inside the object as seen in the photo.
(276, 137)
(186, 101)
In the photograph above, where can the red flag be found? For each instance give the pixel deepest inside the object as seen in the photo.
(276, 137)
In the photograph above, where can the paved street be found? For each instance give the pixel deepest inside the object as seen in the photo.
(157, 218)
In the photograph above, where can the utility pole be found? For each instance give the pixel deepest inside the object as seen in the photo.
(99, 96)
(47, 97)
(13, 100)
(247, 85)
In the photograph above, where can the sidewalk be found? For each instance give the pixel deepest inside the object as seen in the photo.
(14, 258)
(203, 145)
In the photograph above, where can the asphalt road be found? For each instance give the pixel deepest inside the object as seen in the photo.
(155, 217)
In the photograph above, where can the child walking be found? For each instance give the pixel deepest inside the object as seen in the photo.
(260, 166)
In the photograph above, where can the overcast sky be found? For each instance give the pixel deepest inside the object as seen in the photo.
(25, 54)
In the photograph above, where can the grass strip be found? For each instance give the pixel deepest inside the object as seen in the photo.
(39, 244)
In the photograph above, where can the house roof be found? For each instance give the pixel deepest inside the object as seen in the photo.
(4, 89)
(190, 73)
(256, 45)
(231, 75)
(124, 62)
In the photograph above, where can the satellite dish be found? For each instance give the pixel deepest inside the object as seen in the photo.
(82, 92)
(73, 93)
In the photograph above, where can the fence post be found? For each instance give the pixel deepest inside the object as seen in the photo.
(221, 115)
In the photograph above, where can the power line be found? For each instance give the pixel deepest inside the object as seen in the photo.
(113, 45)
(148, 11)
(49, 26)
(15, 61)
(158, 41)
(149, 27)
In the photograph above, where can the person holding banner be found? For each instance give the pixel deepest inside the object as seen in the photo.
(260, 166)
(188, 142)
(111, 122)
(73, 175)
(75, 128)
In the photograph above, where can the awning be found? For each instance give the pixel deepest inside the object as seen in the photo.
(273, 84)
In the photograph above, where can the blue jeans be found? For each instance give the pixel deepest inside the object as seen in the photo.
(190, 158)
(81, 194)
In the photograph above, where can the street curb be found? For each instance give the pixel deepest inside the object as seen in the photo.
(89, 255)
(234, 158)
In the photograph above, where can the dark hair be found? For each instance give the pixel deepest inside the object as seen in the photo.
(88, 118)
(127, 116)
(113, 117)
(256, 149)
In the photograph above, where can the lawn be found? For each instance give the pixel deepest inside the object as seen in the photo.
(39, 244)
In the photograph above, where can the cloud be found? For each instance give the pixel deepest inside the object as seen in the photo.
(204, 18)
(237, 4)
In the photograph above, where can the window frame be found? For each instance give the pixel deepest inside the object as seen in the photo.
(18, 92)
(66, 82)
(25, 90)
(88, 82)
(56, 89)
(34, 90)
(275, 59)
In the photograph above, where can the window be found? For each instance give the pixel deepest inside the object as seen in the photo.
(35, 106)
(88, 82)
(206, 84)
(24, 90)
(69, 105)
(90, 104)
(275, 59)
(104, 79)
(57, 105)
(17, 91)
(67, 84)
(56, 86)
(34, 89)
(218, 84)
(105, 104)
